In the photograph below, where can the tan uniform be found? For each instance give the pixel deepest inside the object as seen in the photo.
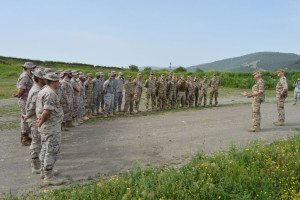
(181, 97)
(197, 87)
(138, 92)
(150, 93)
(129, 96)
(203, 92)
(88, 98)
(191, 92)
(214, 84)
(172, 94)
(67, 96)
(259, 86)
(162, 94)
(280, 96)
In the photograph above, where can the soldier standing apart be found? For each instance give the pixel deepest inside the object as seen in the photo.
(76, 98)
(181, 98)
(49, 118)
(119, 89)
(281, 95)
(30, 117)
(108, 88)
(66, 99)
(129, 95)
(88, 96)
(191, 91)
(96, 93)
(296, 85)
(197, 84)
(24, 84)
(81, 116)
(162, 93)
(138, 91)
(258, 96)
(214, 84)
(203, 91)
(151, 92)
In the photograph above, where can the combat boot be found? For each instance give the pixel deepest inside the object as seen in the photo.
(101, 110)
(78, 120)
(35, 166)
(64, 127)
(114, 112)
(94, 113)
(74, 123)
(69, 124)
(25, 140)
(85, 118)
(105, 115)
(42, 174)
(120, 110)
(254, 129)
(50, 179)
(279, 123)
(183, 104)
(111, 115)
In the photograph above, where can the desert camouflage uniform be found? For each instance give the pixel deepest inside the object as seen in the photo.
(138, 92)
(203, 92)
(181, 97)
(25, 82)
(88, 98)
(168, 101)
(81, 103)
(129, 96)
(172, 93)
(51, 128)
(281, 85)
(119, 92)
(191, 92)
(150, 93)
(214, 84)
(35, 147)
(66, 96)
(76, 98)
(259, 86)
(162, 94)
(97, 90)
(197, 87)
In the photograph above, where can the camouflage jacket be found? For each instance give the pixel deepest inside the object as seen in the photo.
(259, 86)
(214, 83)
(130, 88)
(282, 85)
(31, 103)
(66, 91)
(25, 82)
(150, 85)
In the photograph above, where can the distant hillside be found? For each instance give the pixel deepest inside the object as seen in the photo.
(255, 61)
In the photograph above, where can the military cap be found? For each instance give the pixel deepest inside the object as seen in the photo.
(101, 73)
(120, 73)
(29, 65)
(110, 74)
(139, 74)
(151, 73)
(80, 73)
(67, 71)
(256, 72)
(215, 74)
(75, 73)
(129, 76)
(163, 75)
(42, 68)
(52, 76)
(97, 73)
(48, 70)
(113, 72)
(81, 76)
(89, 75)
(39, 73)
(280, 70)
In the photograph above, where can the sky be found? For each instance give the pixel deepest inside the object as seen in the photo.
(147, 32)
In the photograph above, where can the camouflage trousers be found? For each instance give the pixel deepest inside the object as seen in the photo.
(280, 109)
(96, 101)
(196, 97)
(297, 97)
(109, 103)
(172, 100)
(161, 101)
(35, 147)
(81, 107)
(151, 95)
(203, 95)
(24, 125)
(51, 143)
(76, 105)
(137, 99)
(128, 103)
(191, 98)
(67, 111)
(115, 104)
(256, 116)
(181, 98)
(119, 98)
(88, 105)
(102, 100)
(213, 93)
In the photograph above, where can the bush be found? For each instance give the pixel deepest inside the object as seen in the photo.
(180, 69)
(133, 68)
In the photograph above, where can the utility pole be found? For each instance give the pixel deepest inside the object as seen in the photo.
(170, 67)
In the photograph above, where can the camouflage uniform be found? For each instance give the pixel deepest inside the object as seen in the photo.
(108, 88)
(81, 102)
(115, 101)
(97, 90)
(129, 96)
(203, 92)
(35, 147)
(168, 101)
(191, 92)
(88, 98)
(66, 96)
(172, 93)
(119, 92)
(25, 82)
(281, 85)
(259, 86)
(162, 94)
(51, 128)
(101, 93)
(150, 93)
(138, 92)
(214, 84)
(76, 97)
(197, 87)
(181, 98)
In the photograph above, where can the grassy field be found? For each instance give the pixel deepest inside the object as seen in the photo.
(255, 171)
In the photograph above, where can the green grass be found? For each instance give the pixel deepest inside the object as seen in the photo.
(9, 117)
(255, 171)
(7, 88)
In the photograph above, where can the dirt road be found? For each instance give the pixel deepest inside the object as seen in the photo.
(112, 146)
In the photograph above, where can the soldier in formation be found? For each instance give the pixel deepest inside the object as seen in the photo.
(150, 86)
(129, 95)
(119, 91)
(138, 91)
(214, 84)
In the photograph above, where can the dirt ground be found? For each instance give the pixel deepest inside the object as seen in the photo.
(112, 146)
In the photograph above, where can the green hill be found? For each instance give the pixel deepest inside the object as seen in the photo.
(255, 61)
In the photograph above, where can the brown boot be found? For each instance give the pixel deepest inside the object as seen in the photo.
(114, 112)
(64, 127)
(25, 140)
(119, 110)
(101, 110)
(69, 124)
